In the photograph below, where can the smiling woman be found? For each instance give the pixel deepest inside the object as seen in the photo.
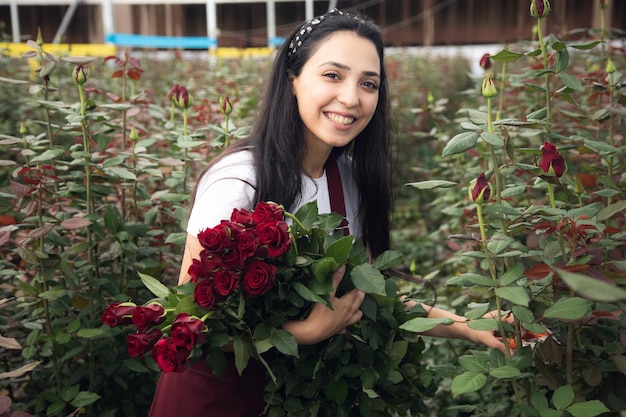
(321, 135)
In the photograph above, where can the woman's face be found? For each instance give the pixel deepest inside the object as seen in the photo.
(337, 90)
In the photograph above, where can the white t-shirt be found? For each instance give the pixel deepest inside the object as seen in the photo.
(229, 184)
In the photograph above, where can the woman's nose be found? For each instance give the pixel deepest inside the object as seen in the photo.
(348, 95)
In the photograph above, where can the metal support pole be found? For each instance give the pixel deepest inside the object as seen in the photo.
(211, 19)
(108, 24)
(15, 22)
(271, 23)
(67, 18)
(332, 4)
(308, 9)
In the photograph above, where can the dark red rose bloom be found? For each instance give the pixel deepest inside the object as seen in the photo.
(480, 190)
(248, 243)
(243, 217)
(268, 211)
(117, 314)
(226, 281)
(173, 94)
(233, 258)
(204, 294)
(187, 330)
(485, 61)
(196, 271)
(168, 356)
(140, 343)
(551, 160)
(214, 238)
(259, 278)
(147, 316)
(275, 236)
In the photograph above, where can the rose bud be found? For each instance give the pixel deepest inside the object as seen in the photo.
(551, 161)
(479, 190)
(147, 316)
(173, 94)
(225, 106)
(186, 330)
(489, 88)
(118, 314)
(140, 343)
(610, 66)
(485, 61)
(184, 99)
(602, 4)
(168, 356)
(539, 8)
(78, 75)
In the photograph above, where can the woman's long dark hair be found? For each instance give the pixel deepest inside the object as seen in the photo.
(277, 136)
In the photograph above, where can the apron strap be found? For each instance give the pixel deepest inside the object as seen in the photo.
(335, 190)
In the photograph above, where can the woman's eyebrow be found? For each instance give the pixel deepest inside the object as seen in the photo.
(347, 68)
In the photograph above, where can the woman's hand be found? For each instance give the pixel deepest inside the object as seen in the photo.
(323, 322)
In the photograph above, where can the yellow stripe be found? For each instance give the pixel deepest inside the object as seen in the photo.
(103, 50)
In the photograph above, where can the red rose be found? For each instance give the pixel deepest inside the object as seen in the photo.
(186, 330)
(242, 216)
(140, 343)
(259, 278)
(274, 236)
(204, 294)
(551, 160)
(196, 270)
(215, 238)
(226, 281)
(268, 211)
(117, 314)
(248, 243)
(147, 316)
(168, 356)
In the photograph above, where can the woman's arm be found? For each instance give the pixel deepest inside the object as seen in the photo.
(459, 329)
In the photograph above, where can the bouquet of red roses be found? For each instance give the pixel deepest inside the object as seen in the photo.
(254, 273)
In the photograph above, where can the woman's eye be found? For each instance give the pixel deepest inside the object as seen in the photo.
(332, 75)
(371, 84)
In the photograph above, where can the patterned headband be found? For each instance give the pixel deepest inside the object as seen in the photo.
(305, 30)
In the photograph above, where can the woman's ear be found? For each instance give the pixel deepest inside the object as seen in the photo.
(292, 78)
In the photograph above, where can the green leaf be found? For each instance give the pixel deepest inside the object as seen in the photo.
(468, 382)
(505, 372)
(609, 211)
(368, 279)
(120, 172)
(492, 139)
(516, 295)
(423, 324)
(336, 391)
(563, 397)
(512, 274)
(568, 309)
(155, 286)
(592, 288)
(571, 82)
(588, 409)
(306, 293)
(585, 46)
(430, 184)
(89, 333)
(483, 324)
(53, 294)
(285, 342)
(85, 398)
(242, 356)
(387, 259)
(499, 242)
(506, 56)
(473, 363)
(460, 143)
(48, 155)
(340, 249)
